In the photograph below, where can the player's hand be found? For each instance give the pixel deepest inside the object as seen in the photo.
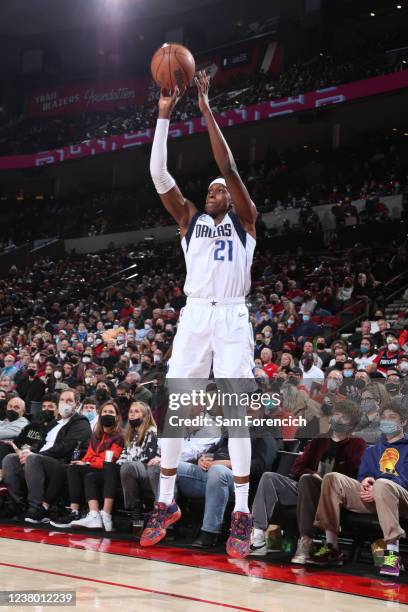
(168, 101)
(202, 82)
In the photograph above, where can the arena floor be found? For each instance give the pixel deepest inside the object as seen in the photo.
(112, 574)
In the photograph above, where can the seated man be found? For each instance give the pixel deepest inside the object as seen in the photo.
(381, 487)
(335, 451)
(211, 478)
(44, 471)
(33, 434)
(15, 420)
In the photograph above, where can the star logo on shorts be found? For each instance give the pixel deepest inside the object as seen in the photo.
(213, 303)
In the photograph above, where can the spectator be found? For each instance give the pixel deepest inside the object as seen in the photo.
(44, 472)
(88, 409)
(367, 355)
(380, 488)
(307, 329)
(32, 435)
(322, 352)
(337, 452)
(140, 448)
(10, 368)
(355, 339)
(15, 420)
(268, 366)
(311, 373)
(31, 389)
(89, 474)
(390, 356)
(373, 397)
(379, 338)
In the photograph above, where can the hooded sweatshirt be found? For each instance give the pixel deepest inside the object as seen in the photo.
(386, 460)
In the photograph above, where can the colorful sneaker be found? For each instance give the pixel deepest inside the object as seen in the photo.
(326, 555)
(160, 518)
(239, 542)
(391, 565)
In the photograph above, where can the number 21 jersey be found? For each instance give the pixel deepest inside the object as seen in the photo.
(218, 257)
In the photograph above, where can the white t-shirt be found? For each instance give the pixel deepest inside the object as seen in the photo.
(52, 435)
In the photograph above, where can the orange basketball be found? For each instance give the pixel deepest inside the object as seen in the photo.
(172, 65)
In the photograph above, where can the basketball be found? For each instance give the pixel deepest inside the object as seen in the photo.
(173, 65)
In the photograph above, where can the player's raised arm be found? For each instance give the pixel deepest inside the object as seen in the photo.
(180, 209)
(243, 205)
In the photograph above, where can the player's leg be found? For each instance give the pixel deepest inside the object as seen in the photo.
(190, 363)
(233, 370)
(189, 367)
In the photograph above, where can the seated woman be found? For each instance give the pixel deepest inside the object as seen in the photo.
(140, 448)
(89, 475)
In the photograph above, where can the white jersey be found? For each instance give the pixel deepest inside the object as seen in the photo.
(218, 257)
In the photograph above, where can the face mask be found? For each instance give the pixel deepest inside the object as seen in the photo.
(101, 395)
(369, 405)
(65, 410)
(31, 372)
(364, 349)
(348, 373)
(86, 359)
(90, 416)
(307, 364)
(57, 375)
(404, 366)
(48, 415)
(291, 321)
(156, 358)
(147, 326)
(135, 422)
(321, 346)
(392, 388)
(131, 325)
(108, 420)
(121, 339)
(12, 415)
(306, 318)
(268, 334)
(339, 427)
(332, 384)
(389, 428)
(393, 347)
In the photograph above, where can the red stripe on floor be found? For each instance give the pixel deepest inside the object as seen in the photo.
(127, 586)
(381, 588)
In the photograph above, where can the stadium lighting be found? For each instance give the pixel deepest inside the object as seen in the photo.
(399, 6)
(372, 14)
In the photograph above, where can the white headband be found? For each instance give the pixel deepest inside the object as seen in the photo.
(218, 180)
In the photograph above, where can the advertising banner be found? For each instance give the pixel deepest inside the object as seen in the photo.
(236, 116)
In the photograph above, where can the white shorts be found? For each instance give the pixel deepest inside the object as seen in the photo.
(213, 331)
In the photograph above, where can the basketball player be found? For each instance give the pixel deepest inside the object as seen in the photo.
(214, 326)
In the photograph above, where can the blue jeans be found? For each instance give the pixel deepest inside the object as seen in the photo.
(216, 486)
